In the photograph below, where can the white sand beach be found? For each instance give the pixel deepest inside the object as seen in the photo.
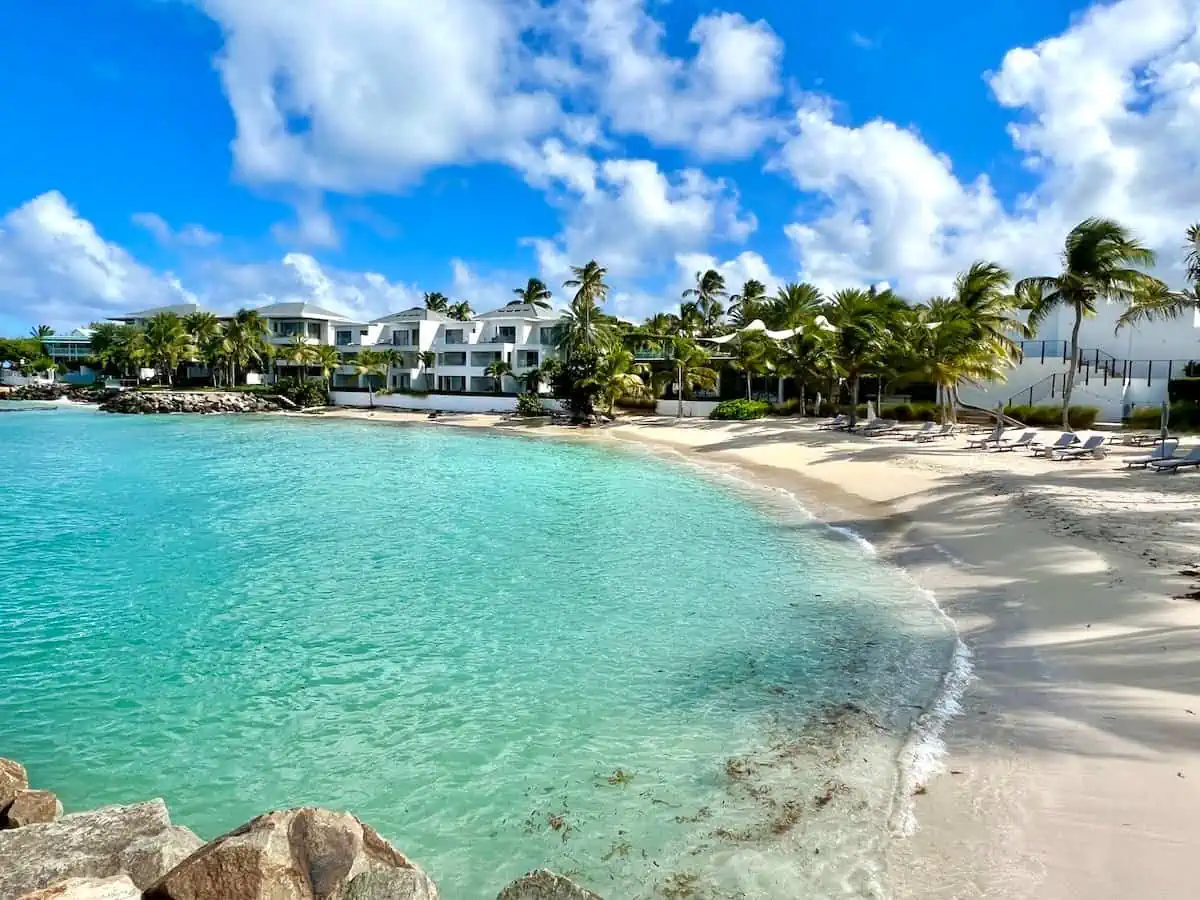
(1073, 769)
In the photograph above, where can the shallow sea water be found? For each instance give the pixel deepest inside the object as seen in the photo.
(502, 653)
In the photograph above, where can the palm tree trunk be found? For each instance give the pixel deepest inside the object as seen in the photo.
(748, 381)
(803, 411)
(853, 401)
(1069, 386)
(680, 390)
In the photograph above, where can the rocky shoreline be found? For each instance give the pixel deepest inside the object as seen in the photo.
(202, 402)
(135, 853)
(57, 392)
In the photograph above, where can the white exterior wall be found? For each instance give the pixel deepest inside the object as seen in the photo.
(439, 402)
(1178, 340)
(695, 409)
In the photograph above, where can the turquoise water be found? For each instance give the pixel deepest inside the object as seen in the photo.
(461, 638)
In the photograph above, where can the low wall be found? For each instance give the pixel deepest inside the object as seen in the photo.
(693, 409)
(465, 403)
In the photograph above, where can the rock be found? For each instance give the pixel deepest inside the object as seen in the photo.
(542, 884)
(29, 807)
(13, 780)
(117, 888)
(294, 854)
(189, 402)
(81, 845)
(150, 858)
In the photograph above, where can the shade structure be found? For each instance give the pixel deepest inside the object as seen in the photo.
(759, 326)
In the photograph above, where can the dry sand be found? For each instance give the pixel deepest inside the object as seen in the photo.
(1074, 768)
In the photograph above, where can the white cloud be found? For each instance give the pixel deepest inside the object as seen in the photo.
(313, 227)
(187, 236)
(363, 95)
(56, 269)
(633, 214)
(737, 271)
(1108, 110)
(716, 104)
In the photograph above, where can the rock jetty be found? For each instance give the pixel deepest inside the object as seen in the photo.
(189, 402)
(77, 393)
(135, 853)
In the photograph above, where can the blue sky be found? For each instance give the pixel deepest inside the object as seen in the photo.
(358, 153)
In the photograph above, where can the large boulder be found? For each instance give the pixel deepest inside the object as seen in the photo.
(82, 845)
(116, 888)
(13, 780)
(150, 858)
(542, 884)
(296, 854)
(30, 807)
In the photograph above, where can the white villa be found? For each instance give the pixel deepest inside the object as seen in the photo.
(520, 334)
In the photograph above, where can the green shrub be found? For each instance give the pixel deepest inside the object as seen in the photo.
(741, 409)
(786, 408)
(1046, 416)
(1184, 417)
(530, 405)
(1147, 417)
(303, 393)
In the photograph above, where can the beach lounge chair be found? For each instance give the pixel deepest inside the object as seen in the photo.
(876, 427)
(1161, 452)
(945, 431)
(1020, 442)
(838, 421)
(915, 435)
(992, 437)
(1064, 440)
(1174, 466)
(1093, 447)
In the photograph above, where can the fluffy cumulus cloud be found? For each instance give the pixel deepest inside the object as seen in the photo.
(56, 269)
(1106, 114)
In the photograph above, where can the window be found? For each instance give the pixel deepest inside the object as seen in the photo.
(507, 334)
(527, 359)
(343, 338)
(484, 359)
(454, 336)
(400, 338)
(314, 330)
(289, 329)
(452, 359)
(550, 336)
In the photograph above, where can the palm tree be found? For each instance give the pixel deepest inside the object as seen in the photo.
(247, 337)
(300, 353)
(862, 319)
(167, 343)
(436, 301)
(461, 311)
(328, 358)
(427, 358)
(369, 364)
(1164, 304)
(392, 359)
(692, 370)
(752, 354)
(982, 294)
(42, 331)
(617, 375)
(532, 379)
(535, 293)
(582, 327)
(207, 337)
(747, 305)
(496, 370)
(794, 305)
(1099, 260)
(709, 289)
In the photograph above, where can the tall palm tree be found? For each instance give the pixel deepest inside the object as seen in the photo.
(460, 311)
(747, 305)
(370, 364)
(752, 354)
(983, 295)
(247, 336)
(532, 379)
(300, 353)
(427, 359)
(708, 291)
(692, 370)
(941, 345)
(167, 343)
(1164, 304)
(863, 323)
(207, 337)
(42, 331)
(535, 293)
(794, 305)
(582, 328)
(328, 358)
(496, 370)
(1100, 260)
(436, 301)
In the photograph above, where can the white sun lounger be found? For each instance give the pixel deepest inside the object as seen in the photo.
(946, 431)
(1191, 461)
(1093, 447)
(1022, 440)
(1161, 452)
(914, 435)
(1064, 440)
